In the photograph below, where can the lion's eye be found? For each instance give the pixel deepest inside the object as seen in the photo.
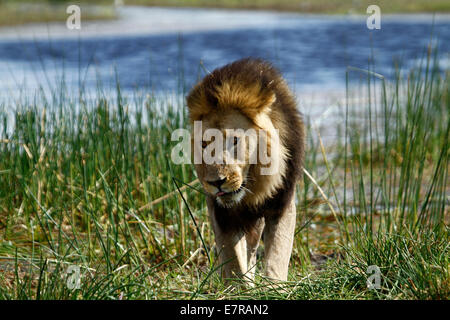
(204, 144)
(235, 140)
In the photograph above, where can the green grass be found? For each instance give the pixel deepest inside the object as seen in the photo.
(77, 176)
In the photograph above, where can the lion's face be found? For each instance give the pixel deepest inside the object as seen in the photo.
(225, 175)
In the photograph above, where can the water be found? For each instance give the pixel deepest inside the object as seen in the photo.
(154, 49)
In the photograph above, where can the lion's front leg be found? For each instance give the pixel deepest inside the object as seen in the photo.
(253, 237)
(278, 241)
(231, 248)
(232, 251)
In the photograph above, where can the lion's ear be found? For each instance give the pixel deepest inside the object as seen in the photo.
(261, 104)
(268, 102)
(197, 103)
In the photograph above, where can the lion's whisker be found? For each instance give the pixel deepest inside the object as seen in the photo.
(247, 189)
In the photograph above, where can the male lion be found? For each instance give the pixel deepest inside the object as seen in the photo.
(245, 204)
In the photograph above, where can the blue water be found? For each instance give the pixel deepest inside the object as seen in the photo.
(311, 51)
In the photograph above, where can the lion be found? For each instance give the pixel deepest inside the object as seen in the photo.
(244, 205)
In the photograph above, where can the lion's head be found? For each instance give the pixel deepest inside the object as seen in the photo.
(237, 151)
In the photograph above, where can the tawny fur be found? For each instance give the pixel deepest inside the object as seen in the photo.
(251, 93)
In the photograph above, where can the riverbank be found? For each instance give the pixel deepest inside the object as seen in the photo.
(309, 6)
(14, 13)
(19, 13)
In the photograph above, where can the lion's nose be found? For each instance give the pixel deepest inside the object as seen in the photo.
(217, 183)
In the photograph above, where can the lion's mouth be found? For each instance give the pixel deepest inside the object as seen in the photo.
(223, 193)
